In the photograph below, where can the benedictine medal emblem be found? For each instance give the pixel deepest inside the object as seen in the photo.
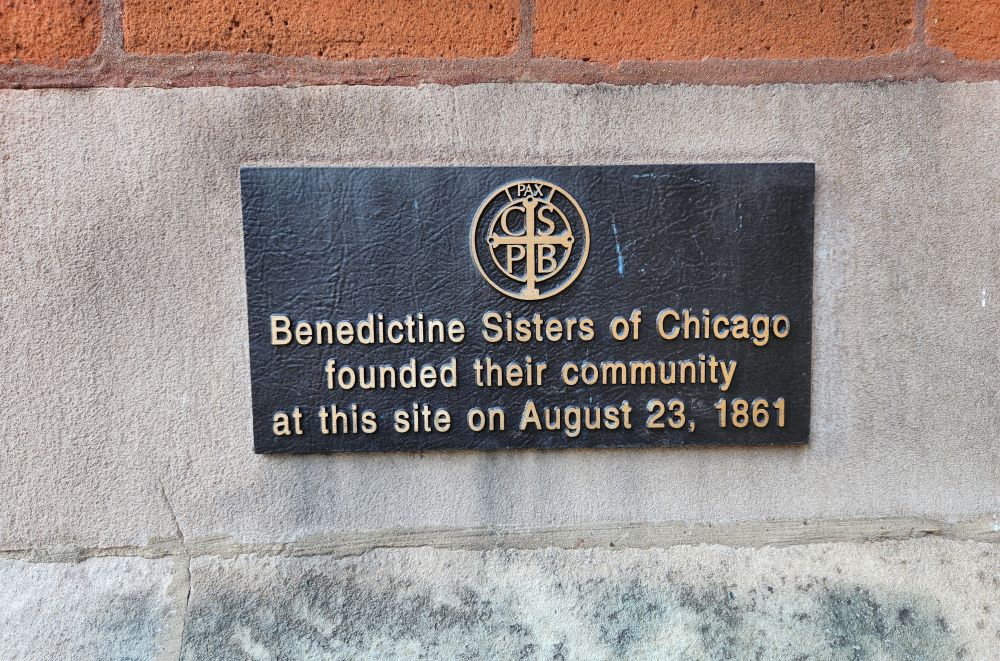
(530, 240)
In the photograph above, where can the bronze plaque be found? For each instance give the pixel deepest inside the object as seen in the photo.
(528, 307)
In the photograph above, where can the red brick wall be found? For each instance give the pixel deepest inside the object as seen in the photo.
(83, 43)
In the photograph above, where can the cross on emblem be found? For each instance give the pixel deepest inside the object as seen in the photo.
(537, 248)
(530, 238)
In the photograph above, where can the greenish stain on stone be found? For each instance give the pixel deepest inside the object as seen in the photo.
(507, 606)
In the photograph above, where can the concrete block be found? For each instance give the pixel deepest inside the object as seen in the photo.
(103, 608)
(125, 372)
(925, 600)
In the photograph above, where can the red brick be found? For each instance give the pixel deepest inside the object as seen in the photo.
(968, 28)
(618, 30)
(48, 31)
(338, 29)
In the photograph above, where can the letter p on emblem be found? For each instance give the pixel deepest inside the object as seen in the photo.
(515, 253)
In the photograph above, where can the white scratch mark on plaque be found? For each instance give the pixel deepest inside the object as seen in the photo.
(982, 299)
(618, 249)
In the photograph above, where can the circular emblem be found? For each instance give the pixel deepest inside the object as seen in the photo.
(530, 239)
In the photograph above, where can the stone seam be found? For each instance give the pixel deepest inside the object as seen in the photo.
(627, 536)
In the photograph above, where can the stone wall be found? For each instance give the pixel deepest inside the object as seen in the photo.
(137, 522)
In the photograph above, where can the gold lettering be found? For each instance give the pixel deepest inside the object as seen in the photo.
(303, 333)
(728, 370)
(740, 327)
(716, 331)
(512, 250)
(660, 318)
(529, 416)
(781, 326)
(546, 259)
(280, 335)
(536, 328)
(706, 369)
(488, 373)
(761, 325)
(280, 424)
(573, 419)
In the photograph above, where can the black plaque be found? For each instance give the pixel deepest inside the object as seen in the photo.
(673, 303)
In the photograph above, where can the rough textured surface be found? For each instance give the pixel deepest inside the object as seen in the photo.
(693, 29)
(199, 43)
(48, 32)
(968, 28)
(920, 601)
(104, 608)
(344, 30)
(125, 374)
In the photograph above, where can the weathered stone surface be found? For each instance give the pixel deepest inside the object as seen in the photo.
(125, 374)
(103, 608)
(928, 600)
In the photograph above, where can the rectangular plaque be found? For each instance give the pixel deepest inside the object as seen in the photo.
(443, 308)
